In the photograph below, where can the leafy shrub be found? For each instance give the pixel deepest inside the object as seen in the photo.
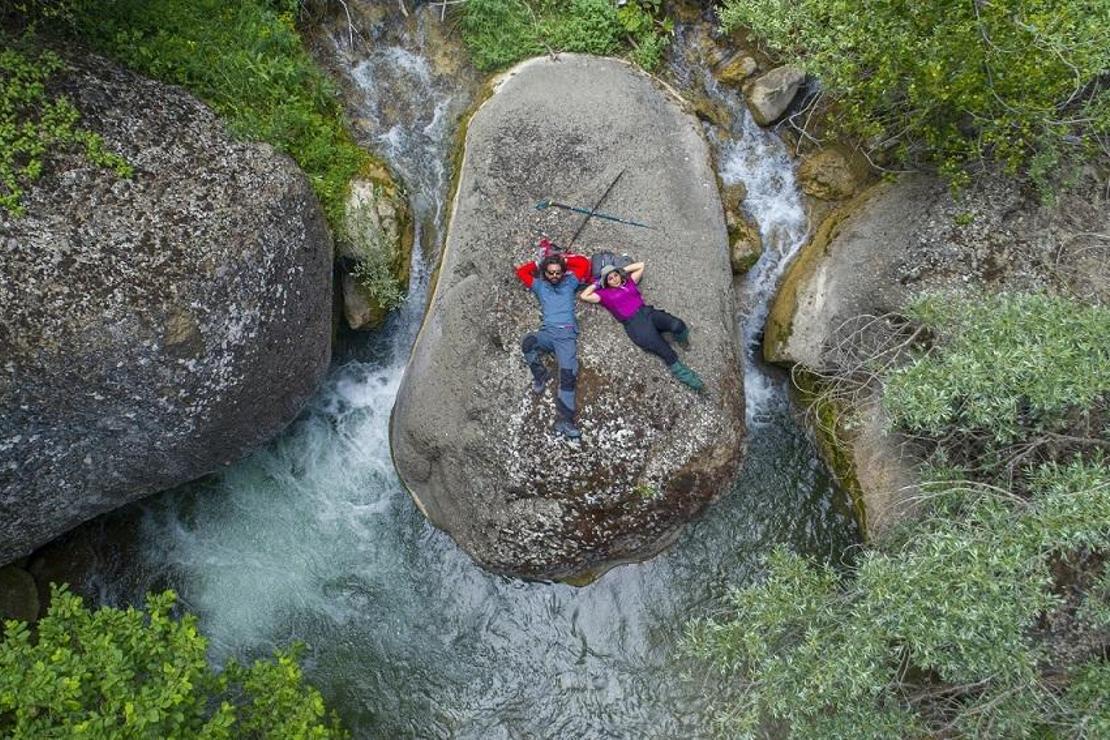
(33, 124)
(934, 632)
(952, 83)
(1002, 367)
(248, 63)
(126, 673)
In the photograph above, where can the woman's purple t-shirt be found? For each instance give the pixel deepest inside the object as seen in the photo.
(622, 302)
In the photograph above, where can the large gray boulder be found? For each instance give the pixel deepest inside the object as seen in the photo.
(152, 329)
(470, 441)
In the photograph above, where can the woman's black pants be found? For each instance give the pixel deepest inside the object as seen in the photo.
(646, 328)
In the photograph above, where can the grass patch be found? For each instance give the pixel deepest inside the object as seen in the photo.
(501, 32)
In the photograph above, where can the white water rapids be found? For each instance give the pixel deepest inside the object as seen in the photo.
(314, 539)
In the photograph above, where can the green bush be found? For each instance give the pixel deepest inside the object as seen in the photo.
(1002, 367)
(937, 631)
(246, 61)
(34, 124)
(952, 83)
(501, 32)
(126, 673)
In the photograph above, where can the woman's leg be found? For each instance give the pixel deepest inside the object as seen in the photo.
(641, 330)
(664, 321)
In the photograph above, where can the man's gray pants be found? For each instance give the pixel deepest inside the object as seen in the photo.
(563, 342)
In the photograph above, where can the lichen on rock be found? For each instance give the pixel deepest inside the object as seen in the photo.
(152, 329)
(469, 439)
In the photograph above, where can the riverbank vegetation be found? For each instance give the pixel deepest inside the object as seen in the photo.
(987, 612)
(132, 673)
(246, 60)
(956, 86)
(501, 32)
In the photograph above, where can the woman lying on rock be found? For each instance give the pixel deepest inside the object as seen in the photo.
(617, 291)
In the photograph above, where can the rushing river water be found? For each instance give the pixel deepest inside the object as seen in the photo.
(314, 539)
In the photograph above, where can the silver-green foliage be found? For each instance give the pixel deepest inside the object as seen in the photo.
(128, 673)
(933, 632)
(1001, 366)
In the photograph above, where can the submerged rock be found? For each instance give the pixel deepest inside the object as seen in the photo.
(470, 441)
(152, 329)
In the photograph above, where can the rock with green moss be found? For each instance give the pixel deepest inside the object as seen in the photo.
(736, 70)
(374, 250)
(156, 328)
(745, 241)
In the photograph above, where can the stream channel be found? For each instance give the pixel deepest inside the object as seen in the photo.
(314, 539)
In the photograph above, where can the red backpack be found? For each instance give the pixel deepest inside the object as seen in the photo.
(579, 264)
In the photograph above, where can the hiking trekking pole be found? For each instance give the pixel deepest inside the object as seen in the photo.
(607, 216)
(590, 213)
(593, 210)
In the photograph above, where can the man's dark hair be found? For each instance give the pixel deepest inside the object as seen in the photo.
(553, 259)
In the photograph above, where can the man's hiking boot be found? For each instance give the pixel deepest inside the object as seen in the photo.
(687, 376)
(683, 338)
(567, 429)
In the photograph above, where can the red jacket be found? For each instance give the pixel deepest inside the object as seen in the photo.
(578, 264)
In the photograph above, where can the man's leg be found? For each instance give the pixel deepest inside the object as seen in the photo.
(531, 346)
(641, 330)
(566, 351)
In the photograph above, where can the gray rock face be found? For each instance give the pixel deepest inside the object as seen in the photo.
(470, 441)
(771, 94)
(156, 328)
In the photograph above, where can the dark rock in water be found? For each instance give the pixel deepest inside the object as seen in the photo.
(152, 329)
(470, 441)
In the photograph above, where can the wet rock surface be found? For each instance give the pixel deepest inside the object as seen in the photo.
(470, 441)
(152, 329)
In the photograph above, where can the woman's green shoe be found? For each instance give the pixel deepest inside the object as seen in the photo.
(687, 376)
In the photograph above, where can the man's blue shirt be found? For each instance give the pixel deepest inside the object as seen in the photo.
(557, 301)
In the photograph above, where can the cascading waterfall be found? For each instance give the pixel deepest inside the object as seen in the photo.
(314, 539)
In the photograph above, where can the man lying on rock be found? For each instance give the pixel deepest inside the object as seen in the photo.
(617, 290)
(559, 277)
